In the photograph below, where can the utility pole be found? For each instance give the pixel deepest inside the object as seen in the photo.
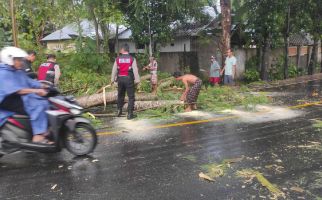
(14, 23)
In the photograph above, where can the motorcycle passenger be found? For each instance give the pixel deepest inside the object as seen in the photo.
(50, 70)
(125, 73)
(20, 94)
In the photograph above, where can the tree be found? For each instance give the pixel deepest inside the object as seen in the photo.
(314, 27)
(5, 24)
(151, 21)
(293, 24)
(34, 19)
(103, 13)
(225, 23)
(14, 23)
(263, 22)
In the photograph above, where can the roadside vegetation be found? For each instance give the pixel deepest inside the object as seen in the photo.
(212, 99)
(87, 70)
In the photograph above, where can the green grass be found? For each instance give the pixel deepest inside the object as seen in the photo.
(221, 98)
(95, 121)
(167, 112)
(317, 124)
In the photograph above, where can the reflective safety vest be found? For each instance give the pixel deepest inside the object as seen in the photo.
(46, 72)
(124, 65)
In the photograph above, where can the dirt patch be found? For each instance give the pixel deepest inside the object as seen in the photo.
(265, 114)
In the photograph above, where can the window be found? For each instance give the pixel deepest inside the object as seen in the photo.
(140, 46)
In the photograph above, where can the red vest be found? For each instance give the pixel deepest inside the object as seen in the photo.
(43, 70)
(124, 64)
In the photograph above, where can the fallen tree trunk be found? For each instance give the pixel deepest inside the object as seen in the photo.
(145, 77)
(110, 97)
(144, 105)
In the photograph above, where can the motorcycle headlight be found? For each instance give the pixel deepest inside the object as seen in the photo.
(75, 111)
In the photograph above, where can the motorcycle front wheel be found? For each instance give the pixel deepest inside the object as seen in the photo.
(82, 141)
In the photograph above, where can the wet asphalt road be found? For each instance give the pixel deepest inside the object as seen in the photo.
(166, 166)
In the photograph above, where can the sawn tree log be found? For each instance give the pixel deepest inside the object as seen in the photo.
(110, 97)
(144, 105)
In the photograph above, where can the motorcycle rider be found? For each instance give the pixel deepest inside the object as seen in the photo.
(20, 94)
(125, 73)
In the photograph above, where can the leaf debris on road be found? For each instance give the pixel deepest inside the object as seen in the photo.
(251, 174)
(206, 177)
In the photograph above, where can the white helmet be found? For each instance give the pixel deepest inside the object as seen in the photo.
(7, 54)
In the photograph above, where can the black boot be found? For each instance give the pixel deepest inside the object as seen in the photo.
(119, 113)
(131, 116)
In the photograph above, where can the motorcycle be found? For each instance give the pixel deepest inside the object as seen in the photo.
(68, 129)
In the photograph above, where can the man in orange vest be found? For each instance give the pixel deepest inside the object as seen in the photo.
(125, 73)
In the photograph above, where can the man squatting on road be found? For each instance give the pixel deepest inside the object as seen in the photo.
(190, 94)
(125, 73)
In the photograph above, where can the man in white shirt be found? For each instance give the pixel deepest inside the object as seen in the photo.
(229, 68)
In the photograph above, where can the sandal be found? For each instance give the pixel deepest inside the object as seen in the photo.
(44, 141)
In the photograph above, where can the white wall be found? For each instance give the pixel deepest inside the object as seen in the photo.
(61, 45)
(130, 43)
(177, 46)
(240, 55)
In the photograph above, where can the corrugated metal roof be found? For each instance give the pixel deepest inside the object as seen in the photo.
(190, 29)
(87, 29)
(57, 35)
(126, 34)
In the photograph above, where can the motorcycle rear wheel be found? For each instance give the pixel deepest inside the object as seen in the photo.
(81, 142)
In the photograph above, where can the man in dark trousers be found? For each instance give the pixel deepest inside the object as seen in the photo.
(125, 73)
(28, 62)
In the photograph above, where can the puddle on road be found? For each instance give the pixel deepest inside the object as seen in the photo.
(197, 114)
(265, 114)
(142, 130)
(135, 130)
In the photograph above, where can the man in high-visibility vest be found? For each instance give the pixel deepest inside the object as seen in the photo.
(50, 70)
(125, 73)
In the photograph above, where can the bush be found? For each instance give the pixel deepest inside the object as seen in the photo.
(251, 75)
(276, 72)
(163, 75)
(252, 63)
(293, 71)
(81, 82)
(142, 60)
(86, 57)
(144, 86)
